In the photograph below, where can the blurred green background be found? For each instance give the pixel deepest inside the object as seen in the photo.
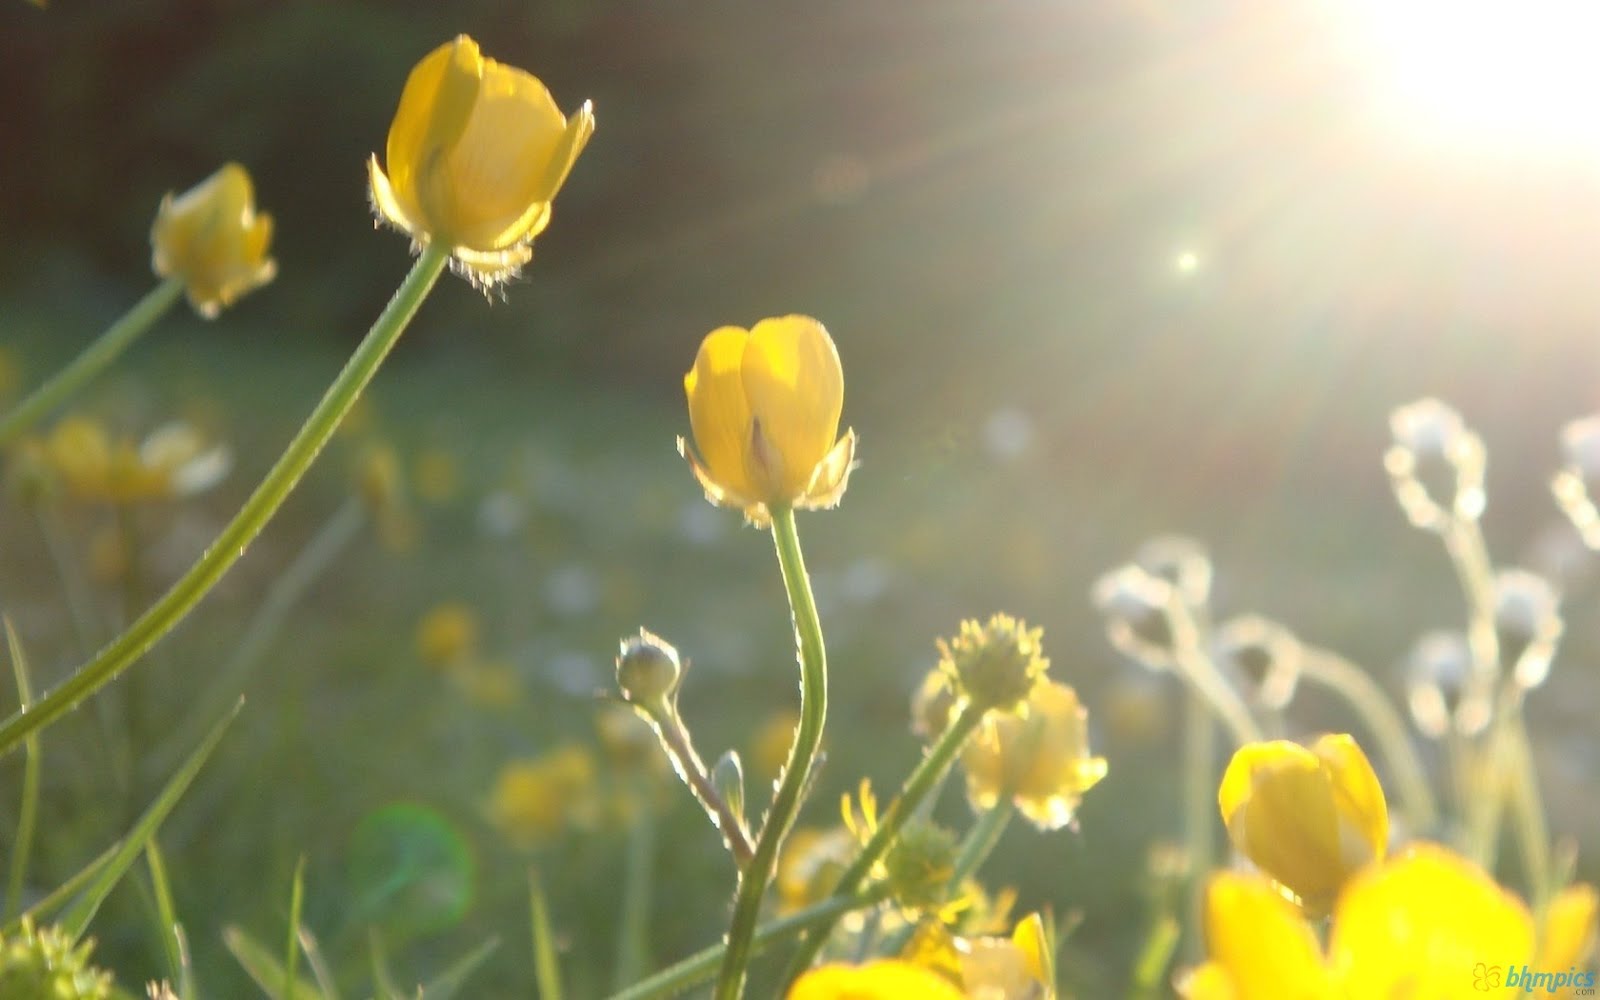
(1096, 271)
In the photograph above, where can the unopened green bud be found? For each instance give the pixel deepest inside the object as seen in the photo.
(920, 864)
(648, 669)
(728, 778)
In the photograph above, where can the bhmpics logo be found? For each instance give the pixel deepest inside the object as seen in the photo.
(1487, 977)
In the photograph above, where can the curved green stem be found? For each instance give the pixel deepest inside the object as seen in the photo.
(981, 841)
(797, 772)
(1199, 805)
(1362, 692)
(126, 648)
(698, 967)
(920, 782)
(93, 360)
(1196, 667)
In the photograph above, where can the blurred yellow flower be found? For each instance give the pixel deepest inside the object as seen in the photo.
(769, 748)
(534, 800)
(1038, 758)
(476, 154)
(172, 462)
(1413, 928)
(212, 238)
(810, 865)
(494, 684)
(437, 478)
(1309, 818)
(885, 979)
(764, 407)
(1567, 933)
(1019, 967)
(447, 635)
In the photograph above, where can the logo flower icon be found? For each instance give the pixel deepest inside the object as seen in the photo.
(1485, 977)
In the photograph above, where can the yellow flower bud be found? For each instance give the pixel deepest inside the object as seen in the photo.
(476, 154)
(1038, 758)
(885, 979)
(764, 405)
(1567, 933)
(1310, 818)
(212, 238)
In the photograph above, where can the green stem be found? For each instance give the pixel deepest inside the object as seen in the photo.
(1196, 667)
(1362, 692)
(676, 742)
(980, 842)
(122, 651)
(922, 780)
(91, 361)
(797, 772)
(1199, 806)
(28, 817)
(1527, 813)
(699, 967)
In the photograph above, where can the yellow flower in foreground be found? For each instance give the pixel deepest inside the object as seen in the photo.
(212, 238)
(764, 406)
(1567, 934)
(885, 979)
(1014, 968)
(1413, 928)
(533, 800)
(1038, 758)
(476, 154)
(1309, 818)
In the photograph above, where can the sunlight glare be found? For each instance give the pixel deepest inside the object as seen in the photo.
(1508, 75)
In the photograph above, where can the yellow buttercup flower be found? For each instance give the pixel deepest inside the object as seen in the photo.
(1019, 967)
(810, 865)
(1567, 933)
(476, 154)
(533, 800)
(1039, 757)
(212, 238)
(1412, 928)
(1309, 818)
(764, 405)
(173, 461)
(886, 979)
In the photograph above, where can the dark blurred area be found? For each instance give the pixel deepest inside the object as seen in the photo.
(984, 201)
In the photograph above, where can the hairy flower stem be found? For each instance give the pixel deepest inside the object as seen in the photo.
(797, 772)
(126, 648)
(923, 780)
(699, 967)
(93, 360)
(980, 842)
(675, 740)
(1358, 688)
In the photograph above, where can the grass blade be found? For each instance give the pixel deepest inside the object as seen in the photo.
(172, 937)
(291, 960)
(263, 967)
(445, 985)
(546, 969)
(28, 818)
(61, 894)
(75, 921)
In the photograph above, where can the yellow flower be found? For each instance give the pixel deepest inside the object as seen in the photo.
(1413, 928)
(1014, 968)
(1567, 933)
(810, 865)
(1309, 818)
(769, 748)
(996, 664)
(476, 153)
(885, 979)
(171, 462)
(212, 238)
(447, 635)
(1038, 758)
(764, 406)
(533, 800)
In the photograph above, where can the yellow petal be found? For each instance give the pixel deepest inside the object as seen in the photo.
(881, 980)
(494, 175)
(386, 202)
(1267, 949)
(1208, 982)
(435, 107)
(1568, 933)
(719, 416)
(795, 388)
(1416, 925)
(1277, 802)
(1358, 799)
